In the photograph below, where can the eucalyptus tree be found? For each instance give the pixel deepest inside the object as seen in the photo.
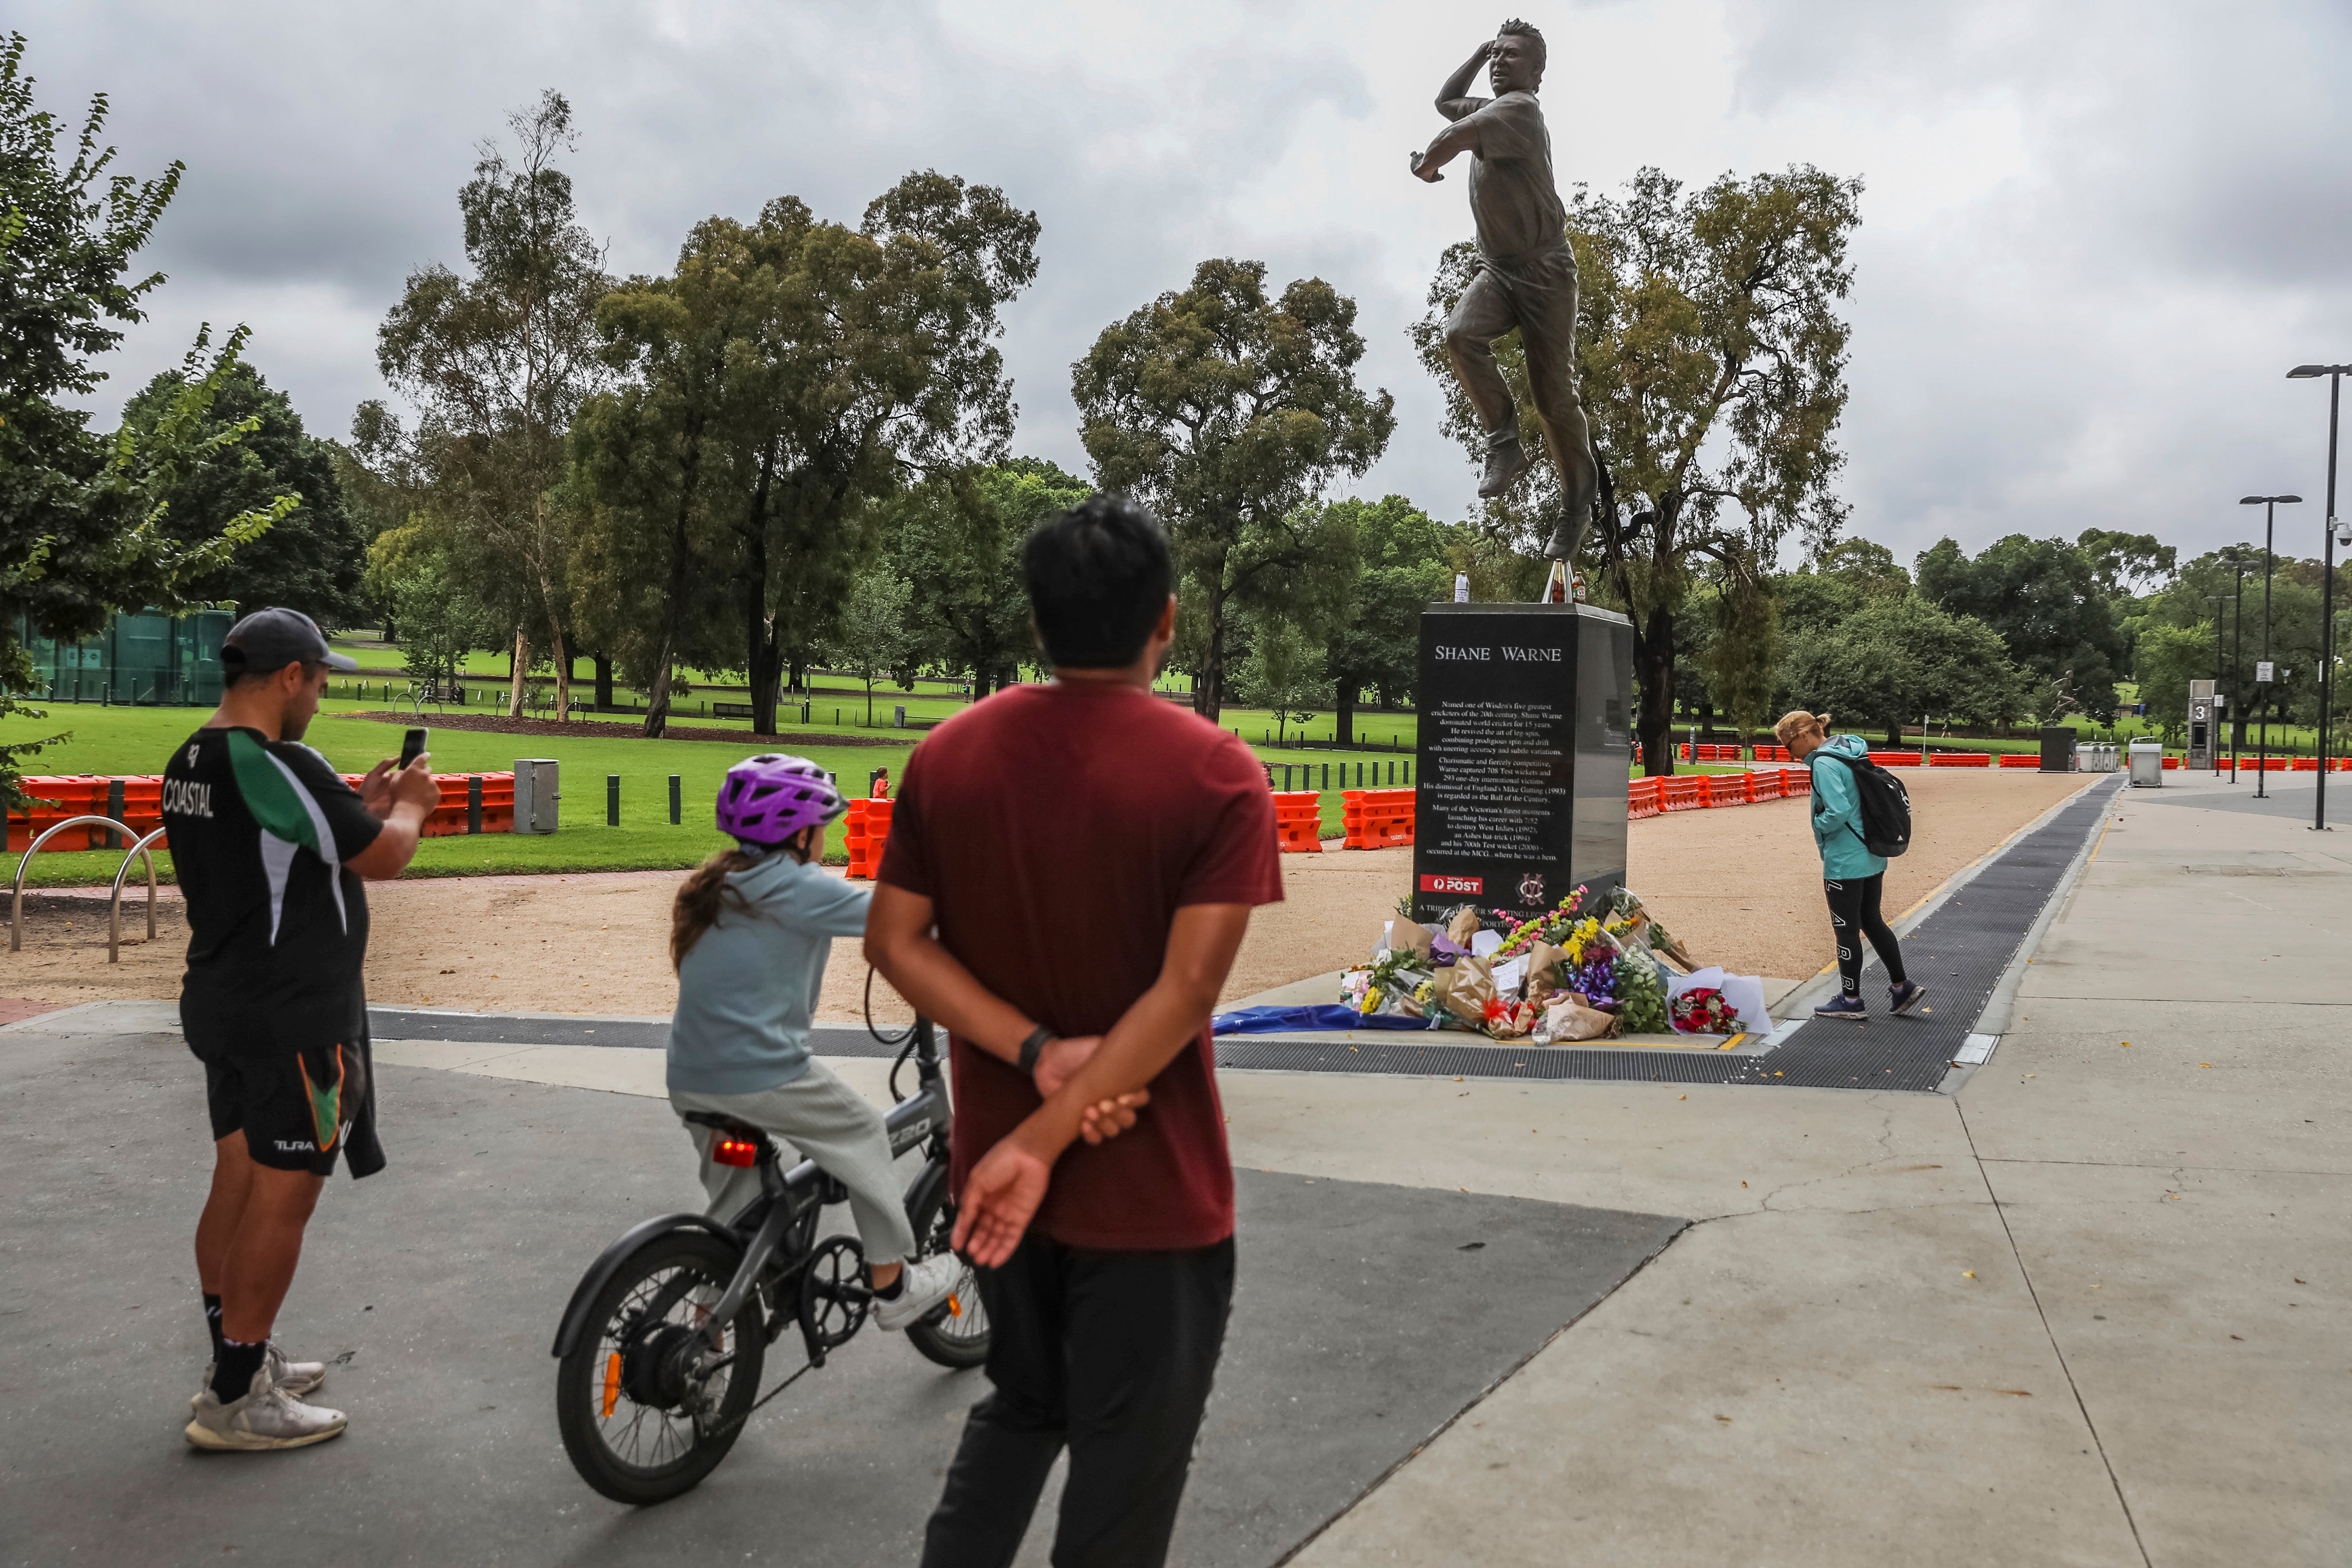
(790, 374)
(498, 361)
(1711, 361)
(85, 521)
(1228, 412)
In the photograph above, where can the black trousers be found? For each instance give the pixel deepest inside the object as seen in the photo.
(1854, 914)
(1110, 1354)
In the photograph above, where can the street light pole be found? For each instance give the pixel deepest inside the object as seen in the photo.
(2220, 698)
(2270, 505)
(2335, 374)
(2237, 665)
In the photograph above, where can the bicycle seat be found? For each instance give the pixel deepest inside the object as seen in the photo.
(726, 1124)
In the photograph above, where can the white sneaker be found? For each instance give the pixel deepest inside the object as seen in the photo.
(266, 1418)
(297, 1378)
(921, 1286)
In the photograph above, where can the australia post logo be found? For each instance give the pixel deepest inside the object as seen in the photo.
(1474, 886)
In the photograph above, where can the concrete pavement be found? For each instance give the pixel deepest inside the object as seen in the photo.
(2087, 1309)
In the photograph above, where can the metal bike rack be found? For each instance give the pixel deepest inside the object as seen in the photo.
(114, 905)
(16, 899)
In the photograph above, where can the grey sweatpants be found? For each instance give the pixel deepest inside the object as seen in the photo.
(827, 1121)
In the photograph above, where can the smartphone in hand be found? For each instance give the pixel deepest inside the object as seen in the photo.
(412, 747)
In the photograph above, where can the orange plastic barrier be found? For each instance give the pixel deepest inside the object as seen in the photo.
(868, 831)
(1375, 818)
(1773, 754)
(1641, 798)
(1959, 759)
(2020, 760)
(1899, 759)
(1727, 789)
(143, 806)
(1796, 782)
(1681, 794)
(1299, 821)
(1765, 787)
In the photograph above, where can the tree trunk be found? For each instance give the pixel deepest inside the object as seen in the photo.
(657, 701)
(604, 681)
(562, 655)
(762, 658)
(518, 668)
(1654, 672)
(1208, 686)
(1343, 710)
(796, 669)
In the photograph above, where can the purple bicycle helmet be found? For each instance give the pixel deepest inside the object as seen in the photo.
(766, 799)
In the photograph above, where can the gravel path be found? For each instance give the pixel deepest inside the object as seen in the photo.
(1740, 886)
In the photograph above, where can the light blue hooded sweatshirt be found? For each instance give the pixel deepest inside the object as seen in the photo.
(1837, 812)
(746, 990)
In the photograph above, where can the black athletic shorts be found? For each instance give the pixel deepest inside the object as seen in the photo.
(299, 1082)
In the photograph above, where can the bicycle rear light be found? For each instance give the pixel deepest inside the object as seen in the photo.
(734, 1152)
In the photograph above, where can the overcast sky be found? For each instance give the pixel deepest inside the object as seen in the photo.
(2095, 234)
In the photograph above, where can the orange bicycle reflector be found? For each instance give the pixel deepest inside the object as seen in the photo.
(955, 1308)
(612, 1382)
(735, 1151)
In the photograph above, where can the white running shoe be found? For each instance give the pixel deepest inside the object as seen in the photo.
(299, 1378)
(266, 1418)
(922, 1286)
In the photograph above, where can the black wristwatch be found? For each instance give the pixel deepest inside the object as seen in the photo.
(1031, 1047)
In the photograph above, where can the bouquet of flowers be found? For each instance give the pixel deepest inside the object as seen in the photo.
(1703, 1011)
(1510, 1020)
(1595, 976)
(1641, 1000)
(1387, 985)
(1520, 935)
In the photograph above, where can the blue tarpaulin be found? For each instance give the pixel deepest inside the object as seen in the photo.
(1330, 1015)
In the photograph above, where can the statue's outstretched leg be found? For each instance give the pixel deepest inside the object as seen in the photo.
(1544, 289)
(1483, 314)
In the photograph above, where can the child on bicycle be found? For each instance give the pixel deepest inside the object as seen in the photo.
(749, 935)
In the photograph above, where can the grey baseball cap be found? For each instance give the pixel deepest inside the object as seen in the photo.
(271, 639)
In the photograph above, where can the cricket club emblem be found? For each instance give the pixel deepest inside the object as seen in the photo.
(1531, 887)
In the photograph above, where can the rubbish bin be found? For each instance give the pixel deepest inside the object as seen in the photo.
(537, 792)
(2147, 763)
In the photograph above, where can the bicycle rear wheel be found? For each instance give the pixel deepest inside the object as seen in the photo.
(646, 1406)
(957, 1336)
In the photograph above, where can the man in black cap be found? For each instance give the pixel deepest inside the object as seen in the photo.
(269, 845)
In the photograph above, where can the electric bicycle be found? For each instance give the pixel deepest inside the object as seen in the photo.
(663, 1343)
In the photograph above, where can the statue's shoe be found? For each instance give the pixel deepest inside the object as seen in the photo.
(1505, 461)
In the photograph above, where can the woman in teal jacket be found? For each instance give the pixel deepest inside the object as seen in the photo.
(1851, 877)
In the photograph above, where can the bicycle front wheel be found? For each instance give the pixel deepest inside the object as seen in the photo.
(957, 1336)
(646, 1407)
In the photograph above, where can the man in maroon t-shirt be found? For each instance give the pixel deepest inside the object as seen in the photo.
(1069, 872)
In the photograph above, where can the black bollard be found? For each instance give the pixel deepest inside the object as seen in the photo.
(114, 809)
(675, 816)
(611, 800)
(473, 802)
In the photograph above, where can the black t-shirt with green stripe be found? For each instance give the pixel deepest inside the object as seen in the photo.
(259, 833)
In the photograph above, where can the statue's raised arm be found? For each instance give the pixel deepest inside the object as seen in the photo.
(1525, 276)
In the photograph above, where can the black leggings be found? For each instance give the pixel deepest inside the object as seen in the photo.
(1854, 907)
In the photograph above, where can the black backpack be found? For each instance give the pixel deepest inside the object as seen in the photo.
(1885, 805)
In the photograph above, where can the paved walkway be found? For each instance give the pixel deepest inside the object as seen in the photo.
(2085, 1306)
(2090, 1309)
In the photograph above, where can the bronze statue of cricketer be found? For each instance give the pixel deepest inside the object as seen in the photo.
(1525, 276)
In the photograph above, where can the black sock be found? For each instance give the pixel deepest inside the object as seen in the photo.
(211, 1321)
(236, 1363)
(894, 1289)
